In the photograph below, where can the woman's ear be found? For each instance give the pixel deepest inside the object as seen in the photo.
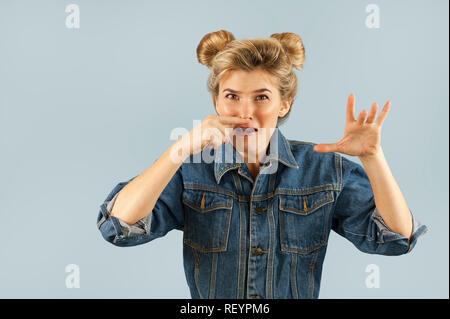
(284, 109)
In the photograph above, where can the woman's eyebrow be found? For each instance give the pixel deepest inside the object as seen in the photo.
(256, 91)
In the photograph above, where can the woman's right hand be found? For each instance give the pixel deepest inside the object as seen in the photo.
(214, 130)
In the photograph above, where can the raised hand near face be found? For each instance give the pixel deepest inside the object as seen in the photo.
(362, 137)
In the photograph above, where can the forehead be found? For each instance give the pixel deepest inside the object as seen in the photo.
(247, 82)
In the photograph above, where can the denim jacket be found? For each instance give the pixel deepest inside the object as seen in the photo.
(262, 238)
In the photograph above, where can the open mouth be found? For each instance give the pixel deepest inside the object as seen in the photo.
(245, 131)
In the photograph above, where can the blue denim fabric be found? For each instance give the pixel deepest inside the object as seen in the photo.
(263, 238)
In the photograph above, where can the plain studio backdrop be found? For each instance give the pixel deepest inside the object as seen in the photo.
(84, 108)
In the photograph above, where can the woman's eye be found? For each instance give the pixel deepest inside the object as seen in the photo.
(235, 97)
(266, 98)
(230, 95)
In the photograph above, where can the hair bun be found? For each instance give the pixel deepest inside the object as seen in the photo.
(211, 44)
(293, 47)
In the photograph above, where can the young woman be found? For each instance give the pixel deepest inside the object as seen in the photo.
(256, 225)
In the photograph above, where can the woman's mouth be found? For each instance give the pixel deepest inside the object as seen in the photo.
(245, 131)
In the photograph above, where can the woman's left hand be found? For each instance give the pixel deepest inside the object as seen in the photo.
(362, 137)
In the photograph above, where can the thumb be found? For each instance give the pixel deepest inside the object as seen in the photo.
(325, 148)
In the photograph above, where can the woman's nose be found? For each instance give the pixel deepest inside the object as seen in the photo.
(245, 108)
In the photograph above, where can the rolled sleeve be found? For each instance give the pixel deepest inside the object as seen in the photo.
(167, 214)
(356, 217)
(115, 230)
(141, 227)
(385, 234)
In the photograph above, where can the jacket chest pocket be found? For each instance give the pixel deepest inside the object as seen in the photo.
(207, 220)
(303, 221)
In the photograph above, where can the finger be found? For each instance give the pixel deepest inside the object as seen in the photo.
(229, 120)
(351, 108)
(209, 133)
(217, 141)
(220, 129)
(325, 148)
(227, 133)
(221, 139)
(384, 112)
(218, 136)
(211, 142)
(373, 113)
(362, 117)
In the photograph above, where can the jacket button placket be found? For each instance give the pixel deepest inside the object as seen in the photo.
(258, 220)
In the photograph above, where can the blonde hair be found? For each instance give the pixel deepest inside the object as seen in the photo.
(277, 55)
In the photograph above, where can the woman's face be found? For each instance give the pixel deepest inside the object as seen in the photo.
(253, 95)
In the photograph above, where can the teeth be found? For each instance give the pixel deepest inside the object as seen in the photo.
(246, 130)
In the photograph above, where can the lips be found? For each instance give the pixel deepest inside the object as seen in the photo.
(243, 130)
(246, 127)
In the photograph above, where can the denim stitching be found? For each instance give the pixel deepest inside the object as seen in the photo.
(307, 191)
(242, 240)
(311, 268)
(283, 232)
(278, 191)
(290, 155)
(270, 256)
(196, 266)
(226, 169)
(212, 285)
(329, 199)
(224, 241)
(338, 163)
(99, 224)
(292, 142)
(208, 208)
(221, 248)
(249, 178)
(252, 235)
(294, 290)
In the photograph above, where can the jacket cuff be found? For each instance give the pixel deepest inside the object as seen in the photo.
(385, 234)
(118, 229)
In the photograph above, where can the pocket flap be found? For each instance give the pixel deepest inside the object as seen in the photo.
(205, 201)
(304, 204)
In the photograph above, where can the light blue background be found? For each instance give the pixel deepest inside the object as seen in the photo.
(83, 109)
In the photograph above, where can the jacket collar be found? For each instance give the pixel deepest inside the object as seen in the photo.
(278, 150)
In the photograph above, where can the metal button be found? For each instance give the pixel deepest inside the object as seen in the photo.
(259, 210)
(258, 251)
